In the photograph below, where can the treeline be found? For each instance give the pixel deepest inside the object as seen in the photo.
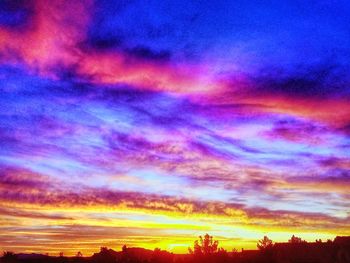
(207, 250)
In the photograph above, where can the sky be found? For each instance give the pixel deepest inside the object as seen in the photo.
(149, 123)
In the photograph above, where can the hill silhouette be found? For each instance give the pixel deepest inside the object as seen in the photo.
(207, 250)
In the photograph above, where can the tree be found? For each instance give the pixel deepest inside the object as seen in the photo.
(8, 256)
(296, 240)
(124, 249)
(264, 243)
(103, 249)
(105, 255)
(204, 246)
(79, 255)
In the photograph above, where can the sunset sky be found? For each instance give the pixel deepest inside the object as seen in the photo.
(148, 123)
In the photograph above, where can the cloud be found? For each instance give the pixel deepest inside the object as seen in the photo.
(326, 80)
(62, 195)
(143, 52)
(16, 14)
(17, 179)
(10, 212)
(335, 180)
(39, 45)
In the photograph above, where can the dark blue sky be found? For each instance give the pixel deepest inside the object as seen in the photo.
(252, 33)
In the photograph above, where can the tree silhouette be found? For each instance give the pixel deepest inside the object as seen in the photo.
(103, 249)
(296, 240)
(204, 246)
(124, 249)
(264, 243)
(8, 256)
(105, 255)
(79, 255)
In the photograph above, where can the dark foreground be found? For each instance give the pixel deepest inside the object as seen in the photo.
(337, 251)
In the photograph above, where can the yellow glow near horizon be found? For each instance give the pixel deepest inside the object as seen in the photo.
(85, 229)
